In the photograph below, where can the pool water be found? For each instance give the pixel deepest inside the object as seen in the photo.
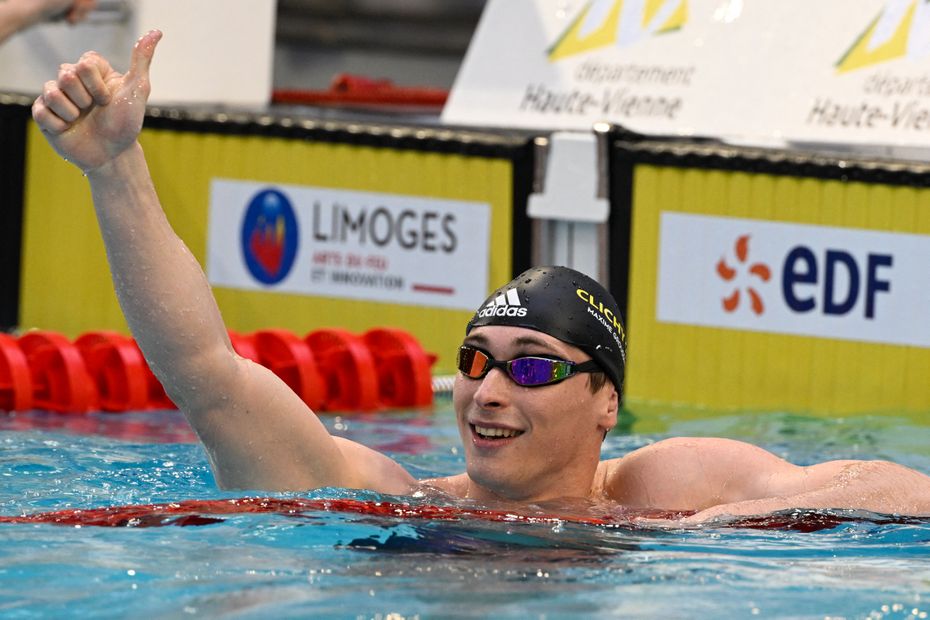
(346, 565)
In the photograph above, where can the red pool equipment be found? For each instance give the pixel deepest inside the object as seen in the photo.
(330, 370)
(117, 368)
(403, 368)
(59, 375)
(15, 378)
(290, 358)
(348, 368)
(244, 345)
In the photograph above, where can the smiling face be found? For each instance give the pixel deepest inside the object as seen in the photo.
(530, 443)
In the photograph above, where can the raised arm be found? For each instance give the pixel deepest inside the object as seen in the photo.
(722, 477)
(257, 432)
(15, 15)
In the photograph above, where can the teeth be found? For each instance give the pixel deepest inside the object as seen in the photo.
(495, 432)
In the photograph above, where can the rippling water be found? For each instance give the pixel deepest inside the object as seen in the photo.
(343, 565)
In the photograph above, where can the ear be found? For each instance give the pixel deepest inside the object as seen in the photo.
(611, 404)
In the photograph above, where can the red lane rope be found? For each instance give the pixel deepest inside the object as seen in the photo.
(205, 512)
(199, 512)
(330, 369)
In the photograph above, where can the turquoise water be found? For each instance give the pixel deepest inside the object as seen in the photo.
(341, 565)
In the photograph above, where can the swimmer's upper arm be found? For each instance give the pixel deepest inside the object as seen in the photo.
(259, 434)
(376, 471)
(693, 473)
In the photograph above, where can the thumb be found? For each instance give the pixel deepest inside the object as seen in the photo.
(142, 55)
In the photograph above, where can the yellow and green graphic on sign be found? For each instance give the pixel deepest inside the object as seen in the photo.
(603, 23)
(901, 30)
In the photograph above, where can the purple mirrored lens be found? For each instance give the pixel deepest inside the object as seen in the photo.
(537, 370)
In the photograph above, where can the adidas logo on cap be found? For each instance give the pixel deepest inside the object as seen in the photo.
(505, 304)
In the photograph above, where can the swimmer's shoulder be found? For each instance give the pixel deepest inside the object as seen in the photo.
(456, 486)
(680, 472)
(681, 452)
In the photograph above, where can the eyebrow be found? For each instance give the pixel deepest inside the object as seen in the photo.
(522, 341)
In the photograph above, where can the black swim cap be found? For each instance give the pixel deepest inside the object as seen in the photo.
(567, 305)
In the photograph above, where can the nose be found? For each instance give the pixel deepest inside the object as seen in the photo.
(494, 391)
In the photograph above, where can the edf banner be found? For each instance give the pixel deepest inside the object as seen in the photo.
(771, 287)
(786, 278)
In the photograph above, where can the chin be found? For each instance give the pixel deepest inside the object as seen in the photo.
(495, 481)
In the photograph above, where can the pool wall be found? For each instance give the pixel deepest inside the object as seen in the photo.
(753, 279)
(63, 257)
(773, 279)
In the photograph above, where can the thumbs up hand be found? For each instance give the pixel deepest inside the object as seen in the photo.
(92, 113)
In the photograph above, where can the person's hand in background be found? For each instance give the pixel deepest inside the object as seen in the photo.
(16, 15)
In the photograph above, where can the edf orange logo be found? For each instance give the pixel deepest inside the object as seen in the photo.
(757, 270)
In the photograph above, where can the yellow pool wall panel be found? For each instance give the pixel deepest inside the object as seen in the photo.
(730, 369)
(66, 283)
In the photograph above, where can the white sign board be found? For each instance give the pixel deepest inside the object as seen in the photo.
(828, 71)
(759, 72)
(348, 244)
(785, 278)
(568, 65)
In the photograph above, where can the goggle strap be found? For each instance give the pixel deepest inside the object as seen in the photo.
(589, 366)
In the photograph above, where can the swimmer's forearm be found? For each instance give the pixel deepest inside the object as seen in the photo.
(874, 486)
(257, 432)
(161, 287)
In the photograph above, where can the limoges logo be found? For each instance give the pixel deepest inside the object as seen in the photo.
(760, 271)
(901, 30)
(602, 23)
(269, 236)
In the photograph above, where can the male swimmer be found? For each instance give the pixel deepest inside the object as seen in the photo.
(541, 366)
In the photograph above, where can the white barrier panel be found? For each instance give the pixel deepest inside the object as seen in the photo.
(763, 72)
(840, 72)
(213, 51)
(567, 65)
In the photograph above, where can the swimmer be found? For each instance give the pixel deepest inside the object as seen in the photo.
(540, 369)
(16, 15)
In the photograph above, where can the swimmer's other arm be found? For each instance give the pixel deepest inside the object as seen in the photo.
(16, 15)
(258, 434)
(721, 477)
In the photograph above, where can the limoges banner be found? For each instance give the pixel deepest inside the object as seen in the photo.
(348, 244)
(759, 72)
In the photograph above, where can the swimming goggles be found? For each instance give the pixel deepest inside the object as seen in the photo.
(527, 371)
